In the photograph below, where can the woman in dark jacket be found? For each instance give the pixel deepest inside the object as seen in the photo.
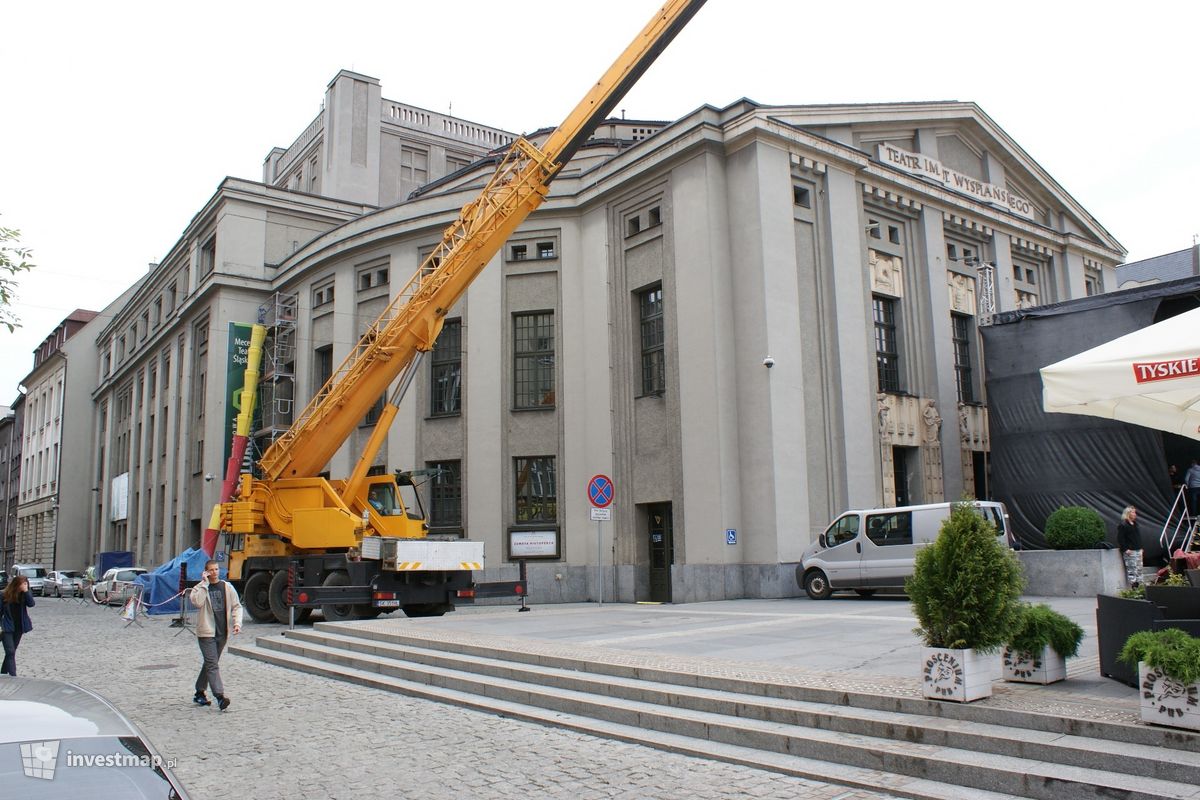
(1129, 542)
(14, 620)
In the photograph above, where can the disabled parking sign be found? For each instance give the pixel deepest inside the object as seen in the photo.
(730, 536)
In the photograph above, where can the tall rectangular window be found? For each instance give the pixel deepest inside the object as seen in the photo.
(208, 256)
(533, 355)
(445, 495)
(445, 383)
(887, 354)
(414, 169)
(322, 366)
(536, 489)
(961, 332)
(650, 305)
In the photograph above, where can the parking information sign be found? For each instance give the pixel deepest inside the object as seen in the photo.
(600, 491)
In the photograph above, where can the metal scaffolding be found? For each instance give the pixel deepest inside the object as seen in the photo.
(277, 386)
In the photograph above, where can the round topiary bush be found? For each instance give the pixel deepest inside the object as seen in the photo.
(1074, 528)
(966, 586)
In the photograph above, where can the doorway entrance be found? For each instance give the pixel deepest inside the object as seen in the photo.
(662, 551)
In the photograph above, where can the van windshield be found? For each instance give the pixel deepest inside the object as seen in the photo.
(844, 530)
(32, 572)
(992, 514)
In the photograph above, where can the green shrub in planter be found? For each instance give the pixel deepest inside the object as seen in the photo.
(965, 587)
(1041, 625)
(1175, 652)
(1074, 528)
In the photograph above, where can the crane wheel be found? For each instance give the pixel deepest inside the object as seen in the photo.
(255, 597)
(339, 612)
(279, 606)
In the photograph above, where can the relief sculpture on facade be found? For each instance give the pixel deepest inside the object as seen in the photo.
(887, 273)
(931, 454)
(962, 293)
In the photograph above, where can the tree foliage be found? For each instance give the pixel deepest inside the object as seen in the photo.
(966, 586)
(13, 260)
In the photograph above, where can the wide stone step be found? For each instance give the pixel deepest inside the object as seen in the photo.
(743, 681)
(903, 755)
(798, 766)
(1067, 749)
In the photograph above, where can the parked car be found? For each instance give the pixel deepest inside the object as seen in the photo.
(36, 574)
(874, 549)
(63, 583)
(116, 586)
(3, 579)
(70, 742)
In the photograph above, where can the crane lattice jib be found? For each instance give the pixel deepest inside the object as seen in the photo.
(413, 319)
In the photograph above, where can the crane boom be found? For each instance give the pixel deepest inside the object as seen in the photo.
(411, 322)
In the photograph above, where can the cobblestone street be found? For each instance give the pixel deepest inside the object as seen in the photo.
(292, 735)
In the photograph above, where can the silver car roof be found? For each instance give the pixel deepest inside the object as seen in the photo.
(38, 709)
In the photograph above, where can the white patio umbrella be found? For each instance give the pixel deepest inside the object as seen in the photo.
(1149, 377)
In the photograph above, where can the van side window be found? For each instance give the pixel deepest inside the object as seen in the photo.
(890, 529)
(844, 530)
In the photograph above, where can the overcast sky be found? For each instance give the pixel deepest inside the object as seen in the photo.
(120, 119)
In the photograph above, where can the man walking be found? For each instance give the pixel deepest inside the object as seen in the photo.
(220, 613)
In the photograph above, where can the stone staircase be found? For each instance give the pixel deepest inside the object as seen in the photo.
(902, 745)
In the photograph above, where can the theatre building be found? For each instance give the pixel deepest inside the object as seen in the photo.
(751, 319)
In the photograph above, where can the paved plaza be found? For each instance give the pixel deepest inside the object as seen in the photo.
(293, 735)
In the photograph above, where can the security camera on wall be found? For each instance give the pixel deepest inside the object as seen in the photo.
(768, 362)
(208, 476)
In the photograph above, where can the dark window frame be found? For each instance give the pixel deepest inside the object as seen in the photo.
(533, 360)
(535, 490)
(445, 371)
(960, 334)
(887, 349)
(445, 496)
(652, 340)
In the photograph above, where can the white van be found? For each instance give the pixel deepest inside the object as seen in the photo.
(874, 549)
(36, 574)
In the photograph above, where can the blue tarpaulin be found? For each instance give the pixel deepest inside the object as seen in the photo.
(163, 582)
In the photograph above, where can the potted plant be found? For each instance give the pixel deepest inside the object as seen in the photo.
(1175, 596)
(965, 591)
(1168, 663)
(1038, 649)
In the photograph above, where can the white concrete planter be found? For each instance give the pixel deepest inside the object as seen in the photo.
(959, 675)
(1044, 667)
(1166, 701)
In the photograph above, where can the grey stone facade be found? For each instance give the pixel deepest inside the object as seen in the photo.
(669, 261)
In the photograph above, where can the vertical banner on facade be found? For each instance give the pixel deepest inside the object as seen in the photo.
(235, 374)
(118, 505)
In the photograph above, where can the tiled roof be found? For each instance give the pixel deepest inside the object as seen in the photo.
(1167, 267)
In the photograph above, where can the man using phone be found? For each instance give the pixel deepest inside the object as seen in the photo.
(220, 613)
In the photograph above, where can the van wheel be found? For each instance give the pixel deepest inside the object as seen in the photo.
(816, 585)
(865, 592)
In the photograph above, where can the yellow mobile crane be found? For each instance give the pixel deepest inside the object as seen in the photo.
(291, 536)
